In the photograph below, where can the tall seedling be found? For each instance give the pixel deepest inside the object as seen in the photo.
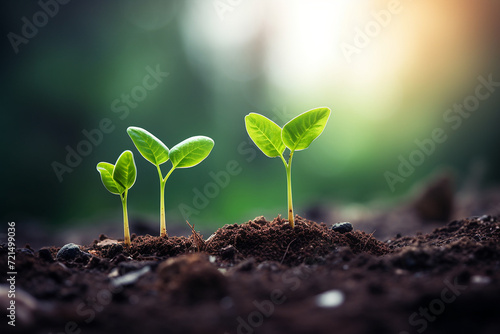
(187, 153)
(296, 135)
(118, 179)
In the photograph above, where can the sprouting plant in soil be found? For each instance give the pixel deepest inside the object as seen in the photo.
(187, 153)
(296, 135)
(118, 179)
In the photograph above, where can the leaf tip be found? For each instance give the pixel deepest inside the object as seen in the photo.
(132, 129)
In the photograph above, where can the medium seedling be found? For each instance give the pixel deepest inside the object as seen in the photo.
(187, 153)
(296, 135)
(118, 179)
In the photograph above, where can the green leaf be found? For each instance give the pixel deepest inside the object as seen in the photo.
(151, 148)
(302, 130)
(191, 151)
(106, 171)
(125, 172)
(265, 134)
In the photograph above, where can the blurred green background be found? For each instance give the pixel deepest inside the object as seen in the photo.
(389, 70)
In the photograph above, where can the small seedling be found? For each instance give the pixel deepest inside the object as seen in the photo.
(296, 135)
(187, 153)
(118, 179)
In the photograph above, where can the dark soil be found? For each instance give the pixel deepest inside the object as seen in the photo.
(265, 277)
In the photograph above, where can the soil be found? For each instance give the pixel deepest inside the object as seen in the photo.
(265, 277)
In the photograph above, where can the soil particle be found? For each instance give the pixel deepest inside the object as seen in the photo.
(69, 252)
(228, 252)
(342, 227)
(131, 277)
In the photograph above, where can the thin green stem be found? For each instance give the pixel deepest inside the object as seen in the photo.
(168, 174)
(289, 188)
(163, 182)
(288, 167)
(284, 161)
(163, 225)
(126, 231)
(159, 172)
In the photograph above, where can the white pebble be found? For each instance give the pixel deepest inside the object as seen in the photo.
(476, 279)
(330, 298)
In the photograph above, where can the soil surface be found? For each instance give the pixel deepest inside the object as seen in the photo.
(264, 277)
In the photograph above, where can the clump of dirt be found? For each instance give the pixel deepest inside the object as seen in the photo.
(469, 241)
(156, 246)
(478, 230)
(143, 247)
(260, 239)
(275, 240)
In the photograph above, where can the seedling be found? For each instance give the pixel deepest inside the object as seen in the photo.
(296, 135)
(187, 153)
(118, 179)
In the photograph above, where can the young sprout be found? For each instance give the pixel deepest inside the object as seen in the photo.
(296, 135)
(187, 153)
(118, 179)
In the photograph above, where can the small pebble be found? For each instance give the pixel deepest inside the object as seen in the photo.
(115, 272)
(329, 299)
(477, 279)
(485, 218)
(131, 277)
(400, 272)
(343, 227)
(26, 251)
(69, 252)
(228, 252)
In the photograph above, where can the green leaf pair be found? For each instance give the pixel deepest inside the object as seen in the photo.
(296, 135)
(187, 153)
(118, 179)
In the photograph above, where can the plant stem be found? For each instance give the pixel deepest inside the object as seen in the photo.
(163, 225)
(163, 182)
(126, 231)
(288, 167)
